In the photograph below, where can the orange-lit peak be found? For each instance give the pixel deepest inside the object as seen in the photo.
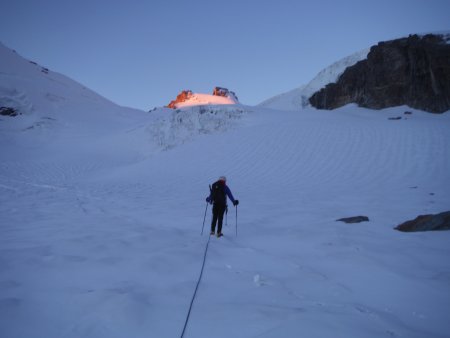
(220, 96)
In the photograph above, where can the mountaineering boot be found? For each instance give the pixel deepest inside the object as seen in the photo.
(212, 233)
(219, 234)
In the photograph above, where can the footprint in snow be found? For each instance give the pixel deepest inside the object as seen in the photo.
(258, 280)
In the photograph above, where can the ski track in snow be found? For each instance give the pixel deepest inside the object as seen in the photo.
(113, 249)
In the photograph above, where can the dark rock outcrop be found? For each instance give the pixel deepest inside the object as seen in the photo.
(6, 111)
(183, 96)
(413, 71)
(354, 219)
(427, 223)
(219, 91)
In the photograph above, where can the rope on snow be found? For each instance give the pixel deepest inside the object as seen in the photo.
(196, 288)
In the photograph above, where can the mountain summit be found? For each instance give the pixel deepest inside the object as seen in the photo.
(220, 96)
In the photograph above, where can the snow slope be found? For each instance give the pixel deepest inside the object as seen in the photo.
(102, 212)
(55, 108)
(297, 99)
(52, 103)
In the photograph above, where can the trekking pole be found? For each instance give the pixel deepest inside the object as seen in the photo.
(204, 218)
(236, 220)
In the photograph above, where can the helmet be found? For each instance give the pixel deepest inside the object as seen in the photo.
(222, 178)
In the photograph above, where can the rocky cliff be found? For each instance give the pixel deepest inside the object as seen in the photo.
(413, 71)
(220, 91)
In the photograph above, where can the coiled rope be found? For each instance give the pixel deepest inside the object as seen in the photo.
(196, 288)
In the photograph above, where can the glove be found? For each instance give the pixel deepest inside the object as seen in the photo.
(236, 202)
(208, 200)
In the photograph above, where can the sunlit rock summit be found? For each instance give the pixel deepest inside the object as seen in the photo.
(220, 96)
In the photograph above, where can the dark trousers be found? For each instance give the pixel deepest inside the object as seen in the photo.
(218, 211)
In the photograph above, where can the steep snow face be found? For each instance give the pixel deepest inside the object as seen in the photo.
(198, 99)
(169, 128)
(297, 99)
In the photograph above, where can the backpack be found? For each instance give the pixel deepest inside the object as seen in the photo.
(218, 194)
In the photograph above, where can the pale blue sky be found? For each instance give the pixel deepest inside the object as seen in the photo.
(142, 53)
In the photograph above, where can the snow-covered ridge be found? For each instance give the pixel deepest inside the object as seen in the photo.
(42, 86)
(297, 99)
(37, 92)
(49, 107)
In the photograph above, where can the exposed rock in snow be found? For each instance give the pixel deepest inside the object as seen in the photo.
(219, 91)
(354, 219)
(7, 111)
(426, 223)
(14, 100)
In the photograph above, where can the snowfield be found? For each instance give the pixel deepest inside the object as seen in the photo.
(102, 209)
